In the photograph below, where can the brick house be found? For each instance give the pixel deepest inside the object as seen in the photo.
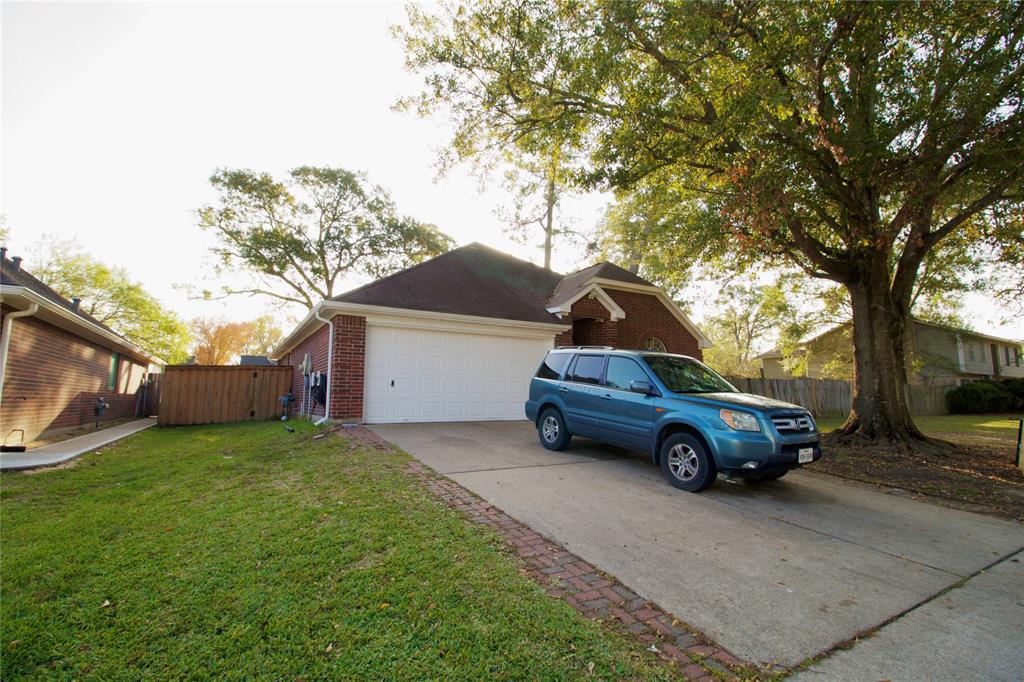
(458, 337)
(56, 360)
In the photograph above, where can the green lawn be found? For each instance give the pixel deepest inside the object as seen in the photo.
(1000, 427)
(243, 551)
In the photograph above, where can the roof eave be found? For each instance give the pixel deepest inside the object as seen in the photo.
(310, 323)
(62, 315)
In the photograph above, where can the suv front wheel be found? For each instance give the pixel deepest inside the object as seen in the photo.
(552, 431)
(686, 463)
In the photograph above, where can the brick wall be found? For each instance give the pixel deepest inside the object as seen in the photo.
(647, 317)
(53, 378)
(349, 368)
(589, 332)
(590, 307)
(316, 345)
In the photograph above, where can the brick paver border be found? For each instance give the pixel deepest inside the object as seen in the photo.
(596, 595)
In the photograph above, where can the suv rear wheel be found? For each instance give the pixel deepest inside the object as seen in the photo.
(551, 430)
(687, 464)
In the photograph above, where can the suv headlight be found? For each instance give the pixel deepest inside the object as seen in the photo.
(740, 421)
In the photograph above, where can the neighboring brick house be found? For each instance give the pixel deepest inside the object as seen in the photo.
(458, 337)
(55, 361)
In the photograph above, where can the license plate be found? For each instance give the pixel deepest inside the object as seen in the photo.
(805, 455)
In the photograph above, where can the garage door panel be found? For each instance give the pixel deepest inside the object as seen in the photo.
(419, 375)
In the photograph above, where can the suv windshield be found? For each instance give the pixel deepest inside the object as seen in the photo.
(682, 375)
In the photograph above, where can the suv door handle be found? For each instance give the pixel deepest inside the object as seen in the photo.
(607, 396)
(563, 389)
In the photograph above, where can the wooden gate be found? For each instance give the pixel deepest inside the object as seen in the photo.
(211, 394)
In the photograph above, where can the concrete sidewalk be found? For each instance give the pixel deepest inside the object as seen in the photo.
(61, 452)
(972, 632)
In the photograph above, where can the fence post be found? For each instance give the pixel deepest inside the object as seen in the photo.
(1020, 438)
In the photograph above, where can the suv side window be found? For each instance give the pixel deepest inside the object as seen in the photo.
(553, 365)
(587, 369)
(621, 371)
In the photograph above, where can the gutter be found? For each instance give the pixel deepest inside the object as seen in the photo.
(5, 343)
(299, 333)
(34, 299)
(330, 363)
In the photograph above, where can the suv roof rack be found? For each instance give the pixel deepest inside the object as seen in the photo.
(586, 347)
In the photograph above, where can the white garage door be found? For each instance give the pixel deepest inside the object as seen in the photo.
(429, 376)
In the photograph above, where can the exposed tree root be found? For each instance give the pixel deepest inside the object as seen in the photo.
(906, 440)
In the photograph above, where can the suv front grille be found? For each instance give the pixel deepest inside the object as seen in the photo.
(793, 423)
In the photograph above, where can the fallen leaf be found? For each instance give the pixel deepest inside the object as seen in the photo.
(330, 647)
(590, 667)
(385, 605)
(105, 604)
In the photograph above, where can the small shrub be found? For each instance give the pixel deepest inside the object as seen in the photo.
(979, 397)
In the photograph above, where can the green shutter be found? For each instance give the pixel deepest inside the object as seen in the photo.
(112, 379)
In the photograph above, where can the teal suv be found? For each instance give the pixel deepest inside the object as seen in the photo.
(693, 422)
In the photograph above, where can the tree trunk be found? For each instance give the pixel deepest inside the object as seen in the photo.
(549, 219)
(880, 412)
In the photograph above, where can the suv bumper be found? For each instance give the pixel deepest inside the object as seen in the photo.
(531, 410)
(772, 452)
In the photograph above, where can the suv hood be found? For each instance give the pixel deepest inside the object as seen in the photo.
(750, 400)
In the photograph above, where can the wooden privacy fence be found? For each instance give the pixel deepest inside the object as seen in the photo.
(820, 396)
(833, 397)
(211, 394)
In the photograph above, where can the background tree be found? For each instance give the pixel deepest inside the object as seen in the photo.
(848, 139)
(219, 342)
(746, 318)
(295, 238)
(264, 335)
(109, 295)
(537, 184)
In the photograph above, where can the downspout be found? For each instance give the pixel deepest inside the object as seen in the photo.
(330, 365)
(6, 333)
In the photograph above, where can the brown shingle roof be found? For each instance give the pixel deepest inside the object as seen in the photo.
(484, 282)
(470, 280)
(21, 278)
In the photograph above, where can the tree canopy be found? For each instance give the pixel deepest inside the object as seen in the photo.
(848, 139)
(218, 341)
(295, 238)
(112, 297)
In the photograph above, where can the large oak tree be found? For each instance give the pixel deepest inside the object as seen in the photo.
(847, 138)
(295, 238)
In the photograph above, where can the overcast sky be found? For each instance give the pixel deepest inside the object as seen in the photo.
(114, 116)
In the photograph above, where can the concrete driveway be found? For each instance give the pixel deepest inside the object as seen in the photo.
(775, 572)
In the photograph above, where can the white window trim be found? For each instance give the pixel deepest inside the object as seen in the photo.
(596, 292)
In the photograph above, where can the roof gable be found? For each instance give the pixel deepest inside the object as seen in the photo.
(572, 284)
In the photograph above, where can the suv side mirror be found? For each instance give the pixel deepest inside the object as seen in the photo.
(643, 387)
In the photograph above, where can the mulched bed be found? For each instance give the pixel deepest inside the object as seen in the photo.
(979, 478)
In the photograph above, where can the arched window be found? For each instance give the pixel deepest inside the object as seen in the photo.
(655, 344)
